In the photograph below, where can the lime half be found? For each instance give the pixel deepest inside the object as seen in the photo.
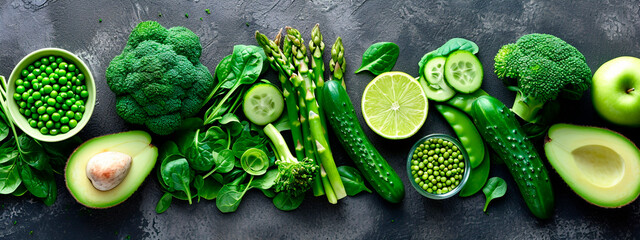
(394, 105)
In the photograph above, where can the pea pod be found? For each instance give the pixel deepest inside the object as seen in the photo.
(464, 101)
(466, 132)
(477, 176)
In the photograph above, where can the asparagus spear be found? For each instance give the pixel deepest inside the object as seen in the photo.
(284, 67)
(316, 46)
(337, 64)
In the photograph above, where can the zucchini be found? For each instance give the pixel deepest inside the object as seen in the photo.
(375, 169)
(499, 127)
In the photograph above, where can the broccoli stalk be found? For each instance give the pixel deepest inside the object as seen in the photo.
(294, 176)
(541, 68)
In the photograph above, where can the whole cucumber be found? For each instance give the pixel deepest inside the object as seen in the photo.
(499, 127)
(344, 122)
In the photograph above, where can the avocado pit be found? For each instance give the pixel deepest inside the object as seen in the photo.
(106, 170)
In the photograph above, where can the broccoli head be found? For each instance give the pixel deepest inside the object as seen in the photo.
(541, 68)
(158, 79)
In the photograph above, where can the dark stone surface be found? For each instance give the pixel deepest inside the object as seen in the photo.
(602, 30)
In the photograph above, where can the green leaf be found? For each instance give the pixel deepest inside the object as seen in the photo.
(59, 152)
(224, 72)
(208, 188)
(496, 187)
(232, 123)
(352, 180)
(9, 178)
(286, 202)
(4, 128)
(178, 176)
(21, 190)
(8, 151)
(229, 197)
(266, 181)
(35, 181)
(224, 161)
(268, 193)
(254, 161)
(246, 64)
(33, 153)
(53, 193)
(164, 203)
(379, 58)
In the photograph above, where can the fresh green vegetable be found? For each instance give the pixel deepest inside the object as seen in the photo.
(499, 127)
(467, 133)
(477, 176)
(450, 46)
(244, 68)
(177, 175)
(541, 68)
(353, 181)
(379, 58)
(164, 203)
(374, 167)
(294, 175)
(463, 71)
(337, 65)
(437, 166)
(262, 103)
(158, 79)
(496, 187)
(434, 72)
(230, 195)
(287, 202)
(439, 93)
(254, 161)
(50, 94)
(464, 101)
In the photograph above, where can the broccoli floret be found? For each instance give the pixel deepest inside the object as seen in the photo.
(158, 79)
(294, 176)
(541, 68)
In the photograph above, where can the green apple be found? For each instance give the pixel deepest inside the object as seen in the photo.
(616, 91)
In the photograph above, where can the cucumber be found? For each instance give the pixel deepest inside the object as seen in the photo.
(263, 103)
(344, 122)
(500, 128)
(442, 92)
(434, 70)
(463, 71)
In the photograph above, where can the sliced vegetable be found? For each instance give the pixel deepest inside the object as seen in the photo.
(254, 161)
(263, 103)
(463, 71)
(439, 93)
(434, 71)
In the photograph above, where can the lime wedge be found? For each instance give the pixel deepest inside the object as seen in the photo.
(394, 105)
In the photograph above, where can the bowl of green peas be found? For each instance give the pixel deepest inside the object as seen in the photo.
(51, 94)
(437, 166)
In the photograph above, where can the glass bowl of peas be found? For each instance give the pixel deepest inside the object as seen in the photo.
(437, 166)
(51, 94)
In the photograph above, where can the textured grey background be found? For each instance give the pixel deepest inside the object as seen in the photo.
(602, 30)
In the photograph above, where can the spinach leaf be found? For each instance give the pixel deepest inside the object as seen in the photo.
(9, 177)
(286, 202)
(164, 203)
(33, 153)
(247, 141)
(247, 63)
(450, 46)
(232, 123)
(4, 128)
(35, 181)
(224, 72)
(254, 161)
(59, 152)
(496, 187)
(266, 181)
(208, 188)
(53, 193)
(178, 176)
(229, 198)
(379, 58)
(224, 161)
(8, 151)
(268, 193)
(21, 190)
(352, 180)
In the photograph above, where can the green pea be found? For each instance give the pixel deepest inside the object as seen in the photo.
(53, 131)
(81, 77)
(72, 67)
(62, 80)
(47, 89)
(51, 101)
(55, 117)
(20, 89)
(69, 114)
(48, 70)
(53, 93)
(25, 96)
(81, 108)
(64, 120)
(48, 124)
(44, 130)
(73, 123)
(33, 123)
(54, 65)
(78, 116)
(64, 129)
(63, 65)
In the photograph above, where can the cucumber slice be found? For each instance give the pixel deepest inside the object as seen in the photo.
(263, 103)
(463, 71)
(441, 94)
(434, 71)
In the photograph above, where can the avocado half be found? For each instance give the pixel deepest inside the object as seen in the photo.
(136, 144)
(600, 165)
